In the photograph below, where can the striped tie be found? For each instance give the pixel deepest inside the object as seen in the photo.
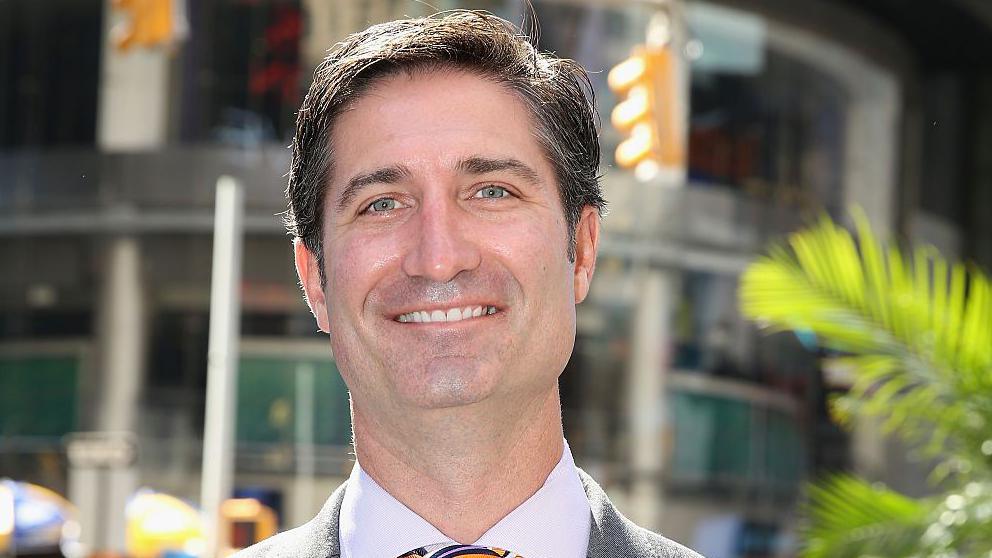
(458, 550)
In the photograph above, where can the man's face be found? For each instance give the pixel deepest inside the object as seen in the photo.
(448, 281)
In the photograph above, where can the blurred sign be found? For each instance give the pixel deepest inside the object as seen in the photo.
(102, 449)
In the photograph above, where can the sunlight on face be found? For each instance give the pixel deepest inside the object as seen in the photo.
(445, 242)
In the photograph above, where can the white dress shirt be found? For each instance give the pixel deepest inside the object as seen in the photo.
(553, 523)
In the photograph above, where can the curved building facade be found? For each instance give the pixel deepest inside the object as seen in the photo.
(697, 424)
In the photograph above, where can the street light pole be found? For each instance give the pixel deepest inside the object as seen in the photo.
(222, 357)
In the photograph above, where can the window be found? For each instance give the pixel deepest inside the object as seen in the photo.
(50, 71)
(761, 120)
(241, 71)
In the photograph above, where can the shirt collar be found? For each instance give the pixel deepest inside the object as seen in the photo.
(552, 523)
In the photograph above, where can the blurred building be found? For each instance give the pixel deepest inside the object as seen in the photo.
(696, 424)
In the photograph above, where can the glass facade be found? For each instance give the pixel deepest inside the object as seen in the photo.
(49, 65)
(242, 72)
(761, 120)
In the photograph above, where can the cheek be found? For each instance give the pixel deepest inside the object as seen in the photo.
(355, 263)
(536, 251)
(531, 236)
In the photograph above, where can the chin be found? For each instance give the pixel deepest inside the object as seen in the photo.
(451, 382)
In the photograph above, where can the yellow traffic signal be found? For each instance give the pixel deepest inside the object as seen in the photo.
(149, 23)
(244, 522)
(649, 112)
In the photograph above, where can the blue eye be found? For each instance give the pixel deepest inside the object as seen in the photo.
(382, 204)
(492, 192)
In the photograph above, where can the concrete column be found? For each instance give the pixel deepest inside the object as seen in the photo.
(647, 396)
(133, 115)
(121, 329)
(305, 504)
(659, 219)
(873, 144)
(101, 491)
(134, 92)
(321, 31)
(871, 163)
(981, 185)
(328, 21)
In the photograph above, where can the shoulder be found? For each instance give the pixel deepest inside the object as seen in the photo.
(295, 542)
(317, 538)
(615, 536)
(641, 543)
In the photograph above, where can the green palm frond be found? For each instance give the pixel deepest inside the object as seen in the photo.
(915, 334)
(851, 518)
(916, 331)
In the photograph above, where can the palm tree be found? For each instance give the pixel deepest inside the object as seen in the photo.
(915, 334)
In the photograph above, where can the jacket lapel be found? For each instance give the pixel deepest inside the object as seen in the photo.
(323, 529)
(603, 513)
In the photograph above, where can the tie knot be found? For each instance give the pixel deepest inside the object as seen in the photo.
(459, 551)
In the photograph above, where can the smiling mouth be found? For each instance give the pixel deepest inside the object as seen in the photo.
(446, 315)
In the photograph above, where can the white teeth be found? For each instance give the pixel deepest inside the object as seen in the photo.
(451, 315)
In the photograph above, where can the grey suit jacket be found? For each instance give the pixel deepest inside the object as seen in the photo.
(611, 535)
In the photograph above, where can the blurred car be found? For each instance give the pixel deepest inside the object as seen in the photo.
(162, 525)
(31, 519)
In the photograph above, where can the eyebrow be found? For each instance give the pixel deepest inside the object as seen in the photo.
(471, 165)
(484, 165)
(385, 175)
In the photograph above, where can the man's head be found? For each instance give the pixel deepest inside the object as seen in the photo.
(444, 193)
(556, 91)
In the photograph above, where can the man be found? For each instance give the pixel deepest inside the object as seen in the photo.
(445, 202)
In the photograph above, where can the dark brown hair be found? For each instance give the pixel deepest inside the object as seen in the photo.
(557, 92)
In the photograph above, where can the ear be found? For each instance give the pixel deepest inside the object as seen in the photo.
(309, 272)
(586, 248)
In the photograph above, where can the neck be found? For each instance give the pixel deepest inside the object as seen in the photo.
(463, 469)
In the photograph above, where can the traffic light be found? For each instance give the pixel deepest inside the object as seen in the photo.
(244, 522)
(149, 23)
(650, 112)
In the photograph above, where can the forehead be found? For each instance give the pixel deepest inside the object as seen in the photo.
(434, 116)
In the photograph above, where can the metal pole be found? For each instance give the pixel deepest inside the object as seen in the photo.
(222, 357)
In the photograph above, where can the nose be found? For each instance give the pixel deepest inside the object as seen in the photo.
(442, 247)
